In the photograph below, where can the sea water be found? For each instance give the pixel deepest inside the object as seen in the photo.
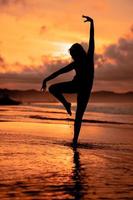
(95, 112)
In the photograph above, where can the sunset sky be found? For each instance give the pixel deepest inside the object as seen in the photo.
(36, 34)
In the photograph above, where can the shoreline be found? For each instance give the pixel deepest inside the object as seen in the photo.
(94, 130)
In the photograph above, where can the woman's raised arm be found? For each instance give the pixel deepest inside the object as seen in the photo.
(91, 48)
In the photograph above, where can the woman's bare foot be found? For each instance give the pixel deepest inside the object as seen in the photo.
(68, 108)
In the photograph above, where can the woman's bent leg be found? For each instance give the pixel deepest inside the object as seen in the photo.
(66, 87)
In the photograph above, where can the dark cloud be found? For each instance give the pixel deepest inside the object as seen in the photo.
(14, 8)
(18, 74)
(8, 2)
(116, 63)
(53, 65)
(114, 68)
(42, 30)
(4, 2)
(2, 62)
(132, 28)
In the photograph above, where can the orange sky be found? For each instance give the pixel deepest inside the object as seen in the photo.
(36, 31)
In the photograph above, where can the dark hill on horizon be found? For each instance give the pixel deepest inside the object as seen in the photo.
(38, 96)
(5, 99)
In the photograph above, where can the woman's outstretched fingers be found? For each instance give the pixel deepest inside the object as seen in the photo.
(87, 18)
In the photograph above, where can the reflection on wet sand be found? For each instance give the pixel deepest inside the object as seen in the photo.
(77, 176)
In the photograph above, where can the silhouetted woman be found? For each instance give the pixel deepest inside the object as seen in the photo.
(83, 64)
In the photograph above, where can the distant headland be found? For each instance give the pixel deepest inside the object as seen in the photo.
(5, 99)
(15, 97)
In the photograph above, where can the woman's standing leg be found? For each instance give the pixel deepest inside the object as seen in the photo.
(82, 101)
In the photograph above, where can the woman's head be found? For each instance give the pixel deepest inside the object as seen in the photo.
(77, 52)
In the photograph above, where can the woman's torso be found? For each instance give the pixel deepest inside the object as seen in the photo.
(84, 73)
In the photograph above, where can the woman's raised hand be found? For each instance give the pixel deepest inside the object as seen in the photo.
(87, 18)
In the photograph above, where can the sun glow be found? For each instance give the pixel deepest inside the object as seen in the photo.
(62, 49)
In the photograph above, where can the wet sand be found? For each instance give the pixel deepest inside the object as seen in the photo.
(37, 162)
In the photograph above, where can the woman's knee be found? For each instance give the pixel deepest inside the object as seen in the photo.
(52, 89)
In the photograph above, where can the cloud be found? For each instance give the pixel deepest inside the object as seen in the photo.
(114, 68)
(18, 74)
(14, 8)
(9, 2)
(43, 29)
(2, 62)
(116, 62)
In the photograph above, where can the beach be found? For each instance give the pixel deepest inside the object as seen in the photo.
(38, 162)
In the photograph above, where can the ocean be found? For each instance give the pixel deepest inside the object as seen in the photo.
(121, 113)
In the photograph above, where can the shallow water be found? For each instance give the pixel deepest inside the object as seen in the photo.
(111, 113)
(37, 162)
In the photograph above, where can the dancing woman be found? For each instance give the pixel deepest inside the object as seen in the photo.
(83, 64)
